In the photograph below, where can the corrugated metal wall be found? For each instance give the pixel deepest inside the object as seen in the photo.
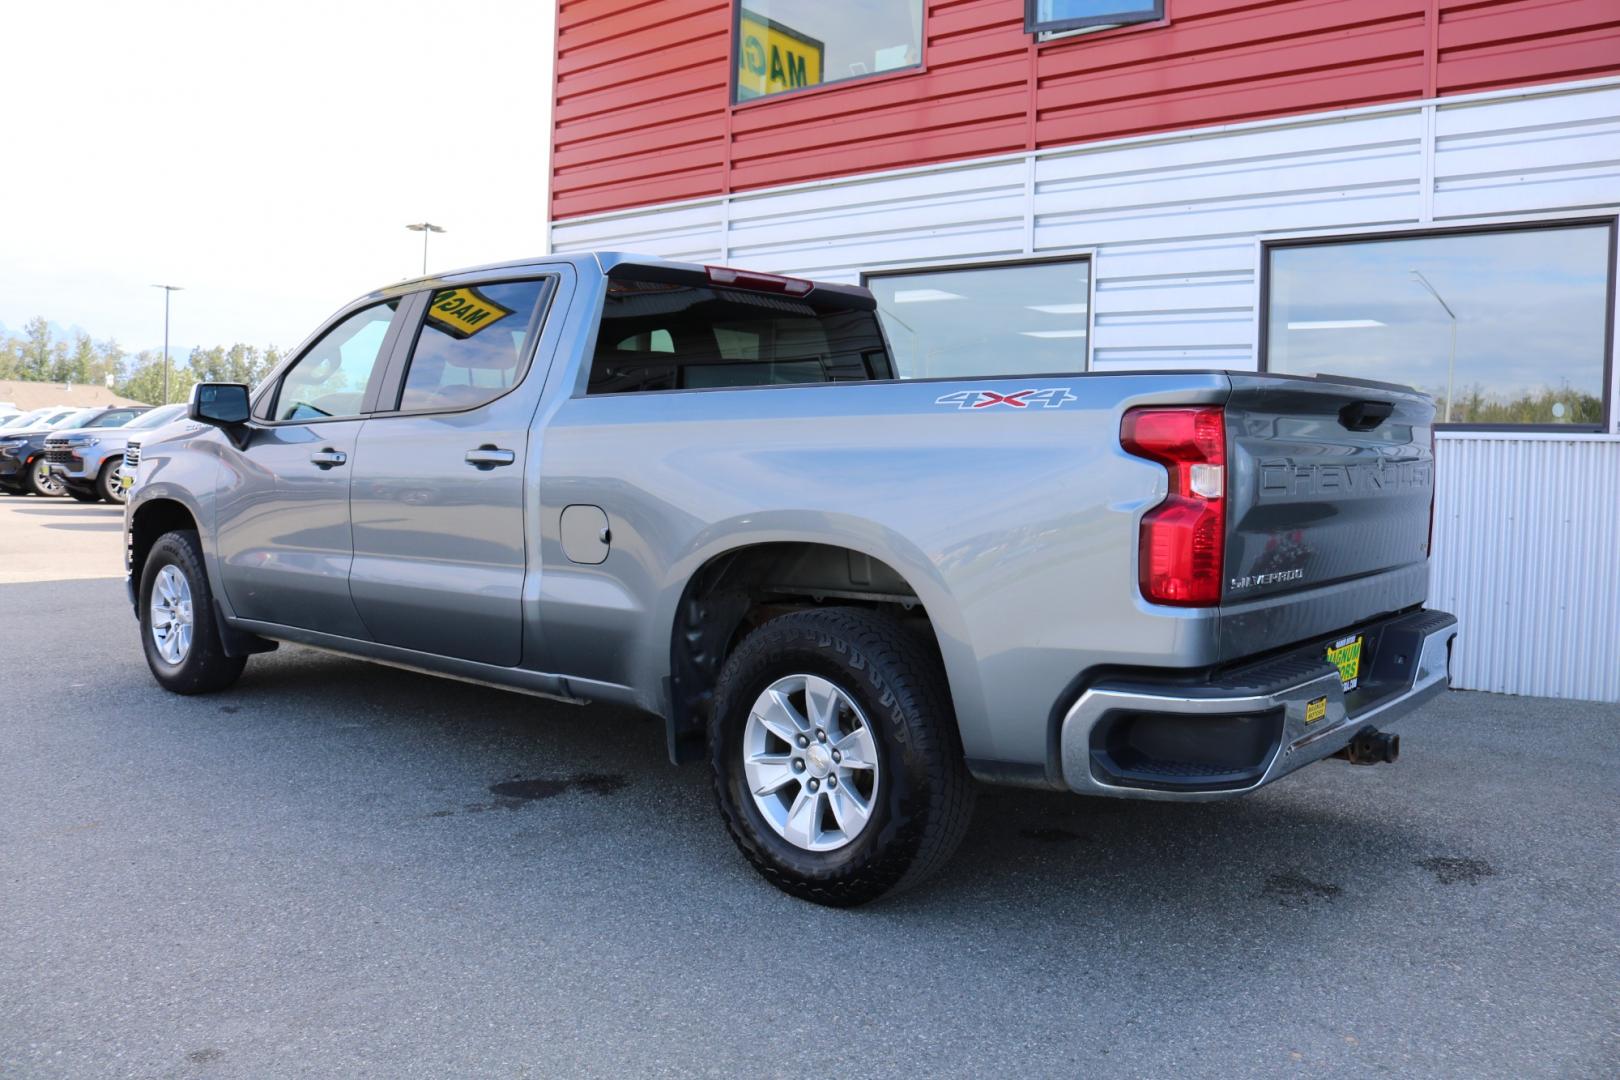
(642, 99)
(1527, 555)
(1174, 225)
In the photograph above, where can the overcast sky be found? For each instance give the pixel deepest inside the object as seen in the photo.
(266, 156)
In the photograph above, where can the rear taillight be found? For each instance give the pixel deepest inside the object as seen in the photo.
(1183, 539)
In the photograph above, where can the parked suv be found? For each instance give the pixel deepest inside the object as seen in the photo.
(705, 492)
(88, 462)
(23, 465)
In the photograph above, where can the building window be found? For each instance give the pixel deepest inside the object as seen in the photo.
(786, 45)
(1022, 319)
(1506, 326)
(1047, 16)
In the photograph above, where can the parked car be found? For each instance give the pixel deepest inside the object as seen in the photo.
(704, 492)
(88, 462)
(23, 465)
(35, 418)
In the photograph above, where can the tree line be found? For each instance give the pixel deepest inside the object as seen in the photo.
(36, 355)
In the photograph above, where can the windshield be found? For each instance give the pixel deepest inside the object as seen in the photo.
(78, 419)
(23, 419)
(157, 417)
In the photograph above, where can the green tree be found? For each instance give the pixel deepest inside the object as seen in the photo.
(34, 351)
(144, 380)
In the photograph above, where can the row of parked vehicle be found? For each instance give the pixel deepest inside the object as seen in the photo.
(69, 450)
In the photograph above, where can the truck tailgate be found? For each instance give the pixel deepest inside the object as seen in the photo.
(1330, 486)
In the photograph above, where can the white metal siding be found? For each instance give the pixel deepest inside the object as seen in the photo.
(1527, 543)
(1174, 225)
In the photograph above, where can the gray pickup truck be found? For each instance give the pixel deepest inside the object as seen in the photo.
(703, 492)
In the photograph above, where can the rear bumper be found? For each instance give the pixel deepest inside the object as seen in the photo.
(1162, 739)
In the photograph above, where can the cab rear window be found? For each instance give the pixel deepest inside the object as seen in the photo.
(664, 336)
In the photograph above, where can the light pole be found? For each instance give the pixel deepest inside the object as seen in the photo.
(1451, 362)
(425, 227)
(167, 290)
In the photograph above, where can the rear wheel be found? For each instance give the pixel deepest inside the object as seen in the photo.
(41, 481)
(178, 627)
(836, 758)
(109, 485)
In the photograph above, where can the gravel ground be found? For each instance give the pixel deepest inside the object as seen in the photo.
(342, 869)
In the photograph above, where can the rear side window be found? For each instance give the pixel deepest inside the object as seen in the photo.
(661, 336)
(472, 345)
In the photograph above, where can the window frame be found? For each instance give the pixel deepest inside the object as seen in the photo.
(1034, 25)
(826, 85)
(1609, 221)
(398, 368)
(263, 408)
(1014, 262)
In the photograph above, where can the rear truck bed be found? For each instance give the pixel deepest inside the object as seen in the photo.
(1302, 510)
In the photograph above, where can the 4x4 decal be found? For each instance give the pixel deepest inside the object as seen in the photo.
(1051, 398)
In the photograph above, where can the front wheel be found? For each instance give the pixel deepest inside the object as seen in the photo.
(43, 482)
(836, 758)
(178, 628)
(110, 484)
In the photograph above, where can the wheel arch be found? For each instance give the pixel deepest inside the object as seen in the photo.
(151, 520)
(730, 591)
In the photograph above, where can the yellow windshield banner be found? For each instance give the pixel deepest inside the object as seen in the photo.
(772, 58)
(463, 312)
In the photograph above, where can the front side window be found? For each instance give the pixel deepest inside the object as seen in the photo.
(994, 320)
(1501, 327)
(1044, 16)
(662, 336)
(472, 345)
(784, 45)
(329, 381)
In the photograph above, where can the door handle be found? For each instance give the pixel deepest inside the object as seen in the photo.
(487, 457)
(326, 459)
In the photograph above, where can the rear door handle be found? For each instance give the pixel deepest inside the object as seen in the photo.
(488, 457)
(326, 459)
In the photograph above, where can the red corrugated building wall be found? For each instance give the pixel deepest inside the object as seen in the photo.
(643, 113)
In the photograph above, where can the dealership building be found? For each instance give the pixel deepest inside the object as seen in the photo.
(1418, 191)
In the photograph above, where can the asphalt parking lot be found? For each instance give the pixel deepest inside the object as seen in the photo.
(341, 869)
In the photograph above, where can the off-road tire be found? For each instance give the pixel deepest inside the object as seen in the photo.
(205, 669)
(925, 798)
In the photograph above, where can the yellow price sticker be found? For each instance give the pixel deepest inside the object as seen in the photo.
(1315, 710)
(464, 312)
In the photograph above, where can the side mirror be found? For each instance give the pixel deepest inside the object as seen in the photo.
(223, 405)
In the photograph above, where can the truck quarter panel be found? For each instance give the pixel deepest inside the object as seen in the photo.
(1024, 579)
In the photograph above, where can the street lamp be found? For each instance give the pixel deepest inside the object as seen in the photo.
(167, 290)
(1451, 363)
(425, 227)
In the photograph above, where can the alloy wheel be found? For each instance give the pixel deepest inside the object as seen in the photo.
(811, 762)
(171, 615)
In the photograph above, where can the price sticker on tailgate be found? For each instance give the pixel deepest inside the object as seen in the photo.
(1345, 654)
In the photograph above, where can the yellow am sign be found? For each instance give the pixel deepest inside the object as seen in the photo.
(463, 312)
(772, 58)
